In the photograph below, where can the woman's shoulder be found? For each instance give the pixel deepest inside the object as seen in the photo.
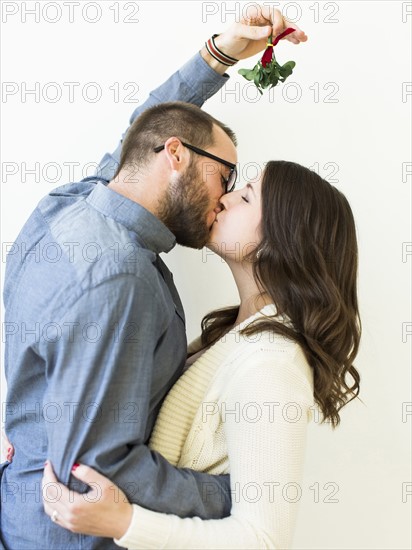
(267, 356)
(262, 345)
(273, 356)
(268, 349)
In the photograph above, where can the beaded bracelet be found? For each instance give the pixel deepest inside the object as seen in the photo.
(218, 54)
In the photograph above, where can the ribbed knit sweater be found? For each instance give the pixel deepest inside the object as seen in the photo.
(241, 408)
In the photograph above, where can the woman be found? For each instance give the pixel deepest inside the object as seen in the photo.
(244, 404)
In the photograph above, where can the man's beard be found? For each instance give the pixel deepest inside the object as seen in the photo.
(184, 206)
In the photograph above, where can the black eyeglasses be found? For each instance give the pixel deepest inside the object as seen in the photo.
(229, 182)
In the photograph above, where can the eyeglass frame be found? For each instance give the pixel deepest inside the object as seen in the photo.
(233, 168)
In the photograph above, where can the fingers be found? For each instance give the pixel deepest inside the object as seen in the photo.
(257, 16)
(53, 492)
(90, 476)
(58, 499)
(295, 37)
(253, 33)
(249, 36)
(7, 447)
(49, 474)
(10, 453)
(261, 15)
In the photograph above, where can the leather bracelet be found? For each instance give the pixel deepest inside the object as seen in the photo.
(218, 54)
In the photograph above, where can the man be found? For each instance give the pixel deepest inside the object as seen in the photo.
(109, 336)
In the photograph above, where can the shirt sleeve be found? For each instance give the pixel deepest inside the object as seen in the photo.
(99, 376)
(195, 82)
(265, 426)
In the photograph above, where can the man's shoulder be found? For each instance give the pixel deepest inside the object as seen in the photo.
(63, 196)
(76, 248)
(89, 239)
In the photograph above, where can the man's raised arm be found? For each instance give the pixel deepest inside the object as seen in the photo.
(195, 82)
(203, 75)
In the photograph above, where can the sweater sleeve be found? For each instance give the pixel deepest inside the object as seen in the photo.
(265, 414)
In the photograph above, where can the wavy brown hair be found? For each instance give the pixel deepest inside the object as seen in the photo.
(307, 262)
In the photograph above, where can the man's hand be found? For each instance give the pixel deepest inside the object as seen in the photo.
(250, 35)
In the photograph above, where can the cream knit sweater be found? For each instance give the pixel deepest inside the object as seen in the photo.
(242, 408)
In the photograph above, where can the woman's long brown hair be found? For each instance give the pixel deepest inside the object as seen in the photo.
(307, 262)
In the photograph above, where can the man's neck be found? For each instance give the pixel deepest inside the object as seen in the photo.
(137, 191)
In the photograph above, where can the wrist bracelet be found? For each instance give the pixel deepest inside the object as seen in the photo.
(217, 54)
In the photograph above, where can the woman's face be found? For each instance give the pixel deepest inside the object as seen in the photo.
(236, 230)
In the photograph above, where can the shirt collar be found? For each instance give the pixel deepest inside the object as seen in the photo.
(150, 230)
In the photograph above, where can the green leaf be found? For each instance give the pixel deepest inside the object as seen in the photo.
(257, 69)
(269, 76)
(247, 73)
(286, 70)
(265, 80)
(284, 73)
(276, 72)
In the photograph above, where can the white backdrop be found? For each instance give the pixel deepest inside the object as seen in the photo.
(345, 112)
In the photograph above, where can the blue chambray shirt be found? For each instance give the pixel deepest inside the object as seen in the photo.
(94, 339)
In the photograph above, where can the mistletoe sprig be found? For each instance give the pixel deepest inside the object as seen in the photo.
(267, 71)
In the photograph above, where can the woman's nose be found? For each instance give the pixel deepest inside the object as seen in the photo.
(225, 201)
(230, 199)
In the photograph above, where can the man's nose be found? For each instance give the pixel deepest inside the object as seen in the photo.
(219, 207)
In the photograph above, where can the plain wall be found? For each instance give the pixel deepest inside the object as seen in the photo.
(345, 112)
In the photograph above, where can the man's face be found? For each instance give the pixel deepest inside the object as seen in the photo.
(184, 207)
(192, 200)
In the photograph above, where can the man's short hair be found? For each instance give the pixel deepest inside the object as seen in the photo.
(157, 124)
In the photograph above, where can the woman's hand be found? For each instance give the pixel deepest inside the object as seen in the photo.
(104, 511)
(249, 36)
(8, 448)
